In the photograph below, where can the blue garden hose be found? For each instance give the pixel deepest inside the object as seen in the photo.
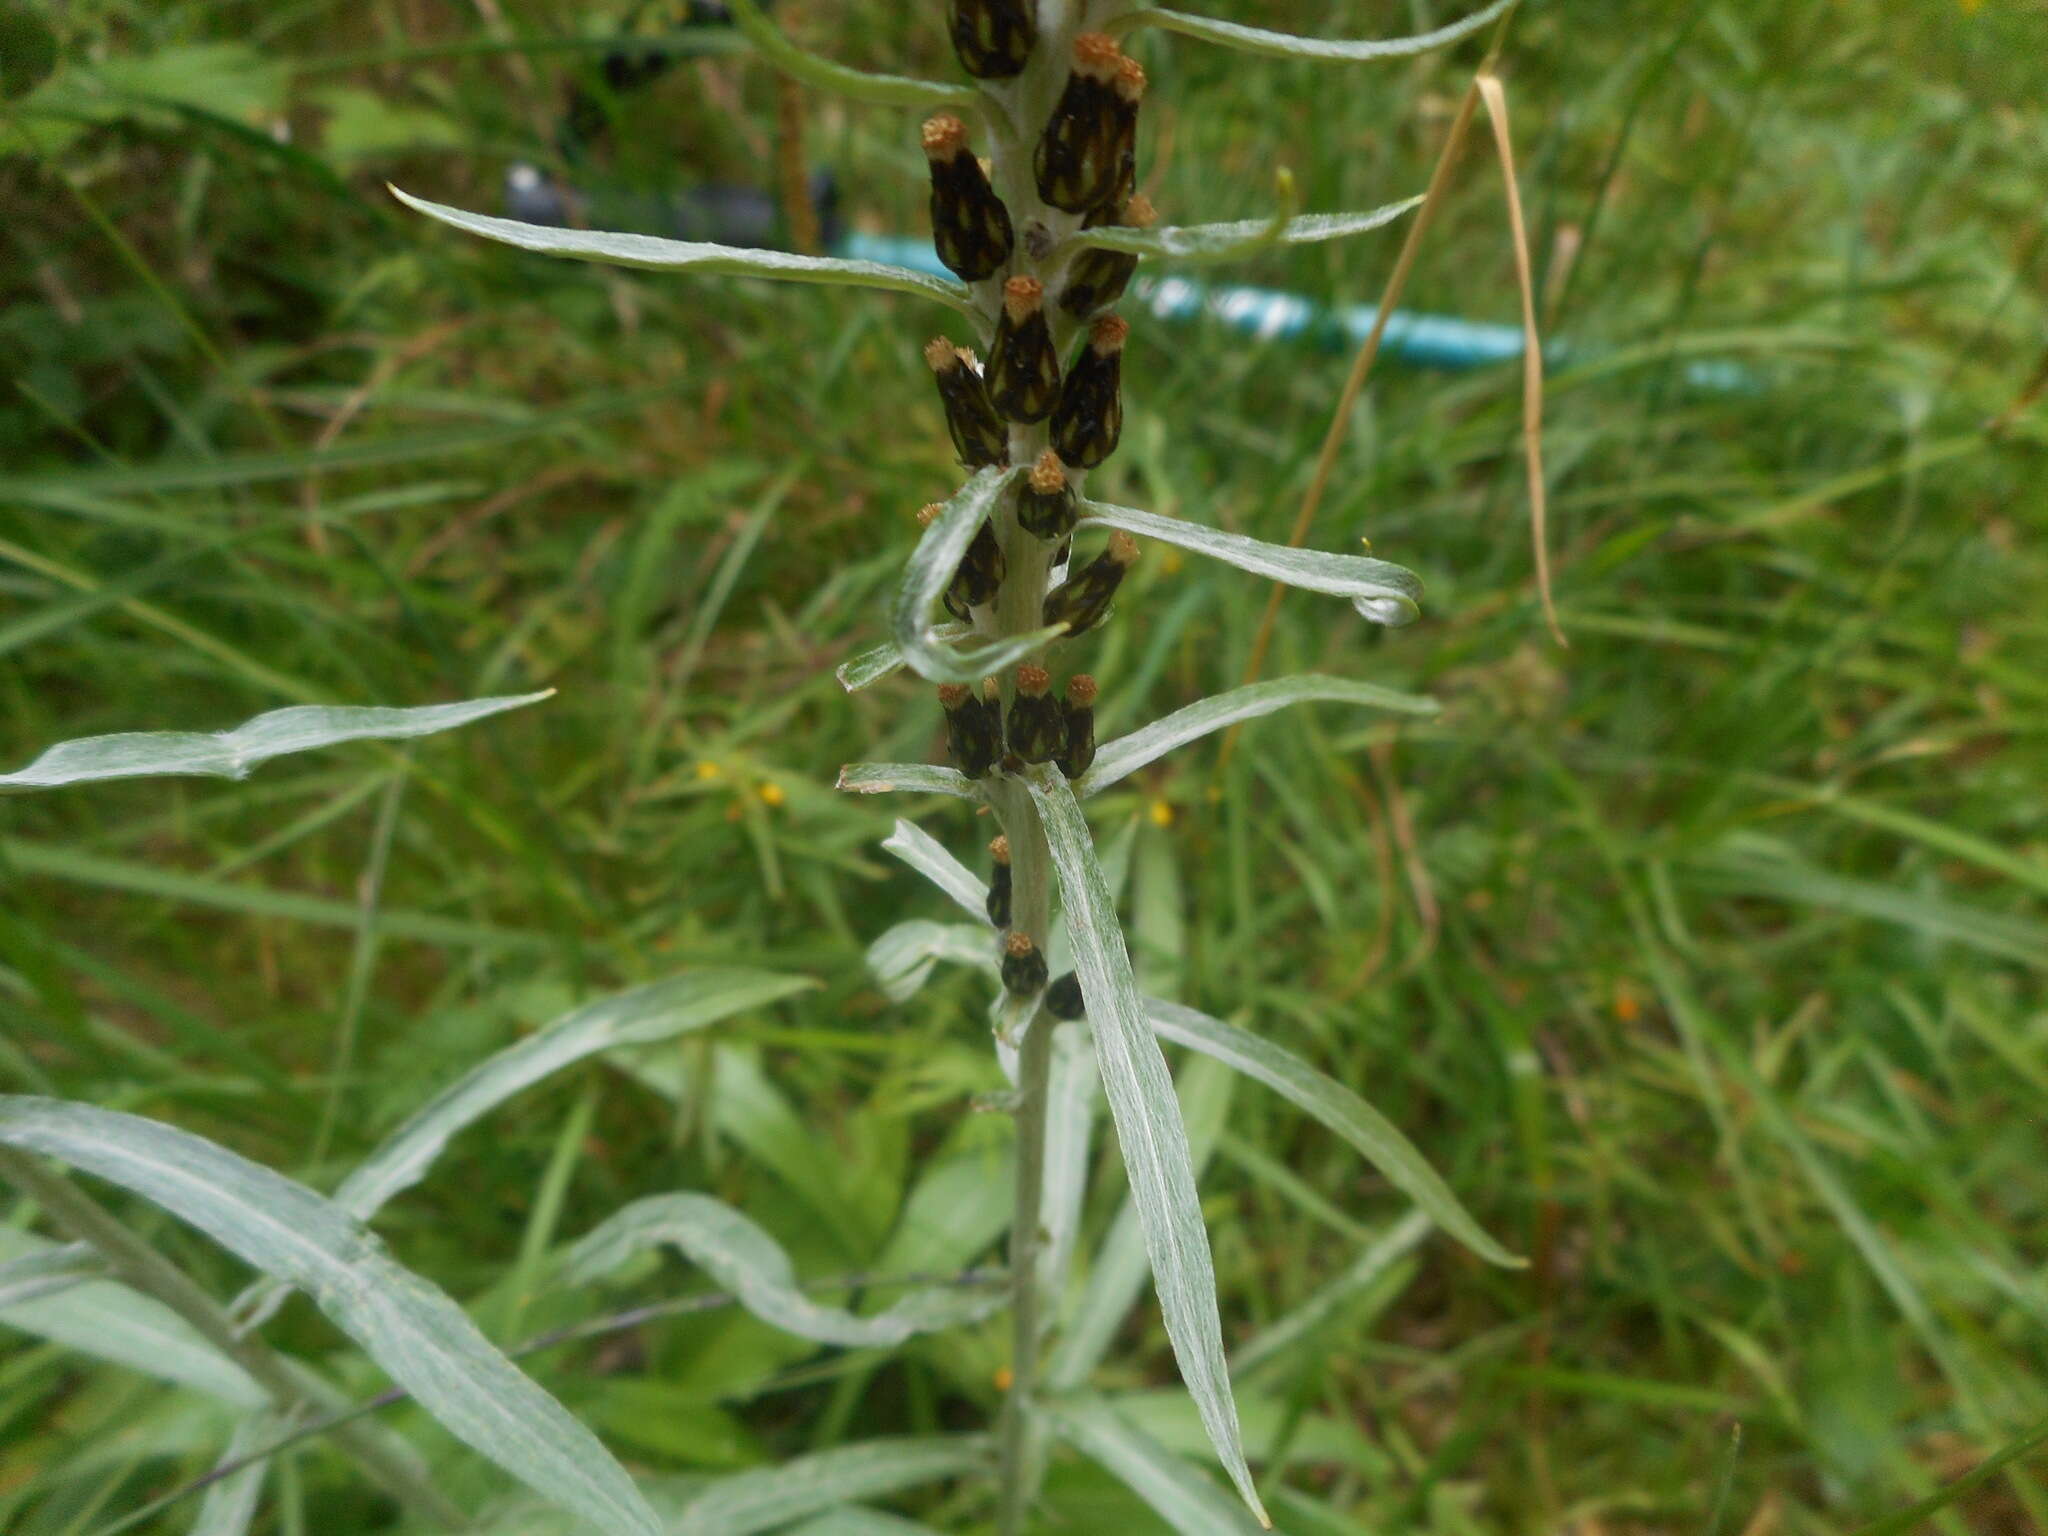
(1270, 314)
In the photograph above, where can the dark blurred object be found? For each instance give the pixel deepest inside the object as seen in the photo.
(720, 214)
(724, 215)
(28, 49)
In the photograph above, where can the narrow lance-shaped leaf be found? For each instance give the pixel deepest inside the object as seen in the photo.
(855, 1521)
(229, 1507)
(1117, 1267)
(1286, 45)
(423, 1341)
(886, 660)
(233, 754)
(855, 84)
(1148, 1127)
(45, 1271)
(1199, 244)
(1186, 1500)
(645, 1015)
(108, 1321)
(1125, 755)
(1069, 1126)
(1337, 1108)
(655, 254)
(1381, 591)
(770, 1498)
(1376, 1260)
(901, 960)
(642, 1016)
(905, 778)
(750, 1502)
(932, 564)
(925, 854)
(746, 1261)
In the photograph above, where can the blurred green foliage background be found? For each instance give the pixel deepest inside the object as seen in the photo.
(1704, 957)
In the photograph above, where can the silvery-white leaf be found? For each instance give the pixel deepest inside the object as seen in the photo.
(905, 778)
(1382, 592)
(1069, 1128)
(229, 1507)
(884, 660)
(930, 571)
(1148, 1126)
(746, 1261)
(1286, 45)
(750, 1502)
(423, 1340)
(1125, 755)
(1376, 1259)
(659, 1011)
(854, 1521)
(901, 960)
(925, 854)
(233, 754)
(1117, 1268)
(644, 1015)
(855, 84)
(1195, 244)
(108, 1321)
(656, 254)
(47, 1270)
(1185, 1499)
(1336, 1107)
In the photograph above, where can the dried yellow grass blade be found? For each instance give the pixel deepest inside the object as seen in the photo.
(1496, 98)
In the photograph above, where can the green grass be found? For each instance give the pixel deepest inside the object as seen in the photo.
(1705, 958)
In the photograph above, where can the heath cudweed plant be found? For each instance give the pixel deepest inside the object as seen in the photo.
(1035, 210)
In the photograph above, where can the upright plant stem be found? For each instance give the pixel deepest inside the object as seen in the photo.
(149, 1272)
(1020, 107)
(1034, 1070)
(1017, 612)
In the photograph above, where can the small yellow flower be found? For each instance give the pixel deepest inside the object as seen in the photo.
(1005, 1378)
(708, 770)
(1161, 812)
(772, 794)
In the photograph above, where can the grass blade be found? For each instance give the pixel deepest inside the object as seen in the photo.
(1381, 591)
(1334, 1106)
(1285, 45)
(408, 1326)
(1121, 758)
(1741, 872)
(1200, 244)
(655, 254)
(1378, 1258)
(235, 754)
(746, 1261)
(1148, 1126)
